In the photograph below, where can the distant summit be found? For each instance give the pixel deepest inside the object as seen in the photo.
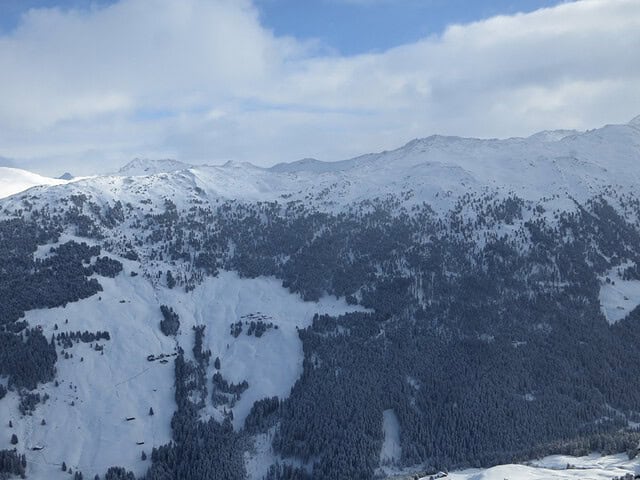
(553, 135)
(66, 176)
(146, 166)
(298, 165)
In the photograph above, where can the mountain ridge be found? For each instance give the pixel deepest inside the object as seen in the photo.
(426, 170)
(145, 166)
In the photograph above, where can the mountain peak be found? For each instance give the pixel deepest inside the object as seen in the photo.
(147, 166)
(239, 164)
(308, 164)
(553, 135)
(635, 121)
(432, 140)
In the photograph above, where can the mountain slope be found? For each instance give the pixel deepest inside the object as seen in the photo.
(15, 180)
(99, 390)
(477, 304)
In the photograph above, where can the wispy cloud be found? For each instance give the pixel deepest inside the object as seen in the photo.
(203, 80)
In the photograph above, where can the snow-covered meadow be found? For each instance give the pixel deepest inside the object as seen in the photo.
(86, 415)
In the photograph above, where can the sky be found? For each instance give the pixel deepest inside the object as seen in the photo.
(85, 86)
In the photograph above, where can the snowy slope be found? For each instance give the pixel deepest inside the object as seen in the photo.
(618, 297)
(592, 467)
(121, 383)
(391, 450)
(554, 467)
(15, 180)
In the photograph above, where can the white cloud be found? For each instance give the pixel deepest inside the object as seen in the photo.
(202, 80)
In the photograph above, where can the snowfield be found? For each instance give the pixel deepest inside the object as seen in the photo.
(592, 467)
(15, 180)
(98, 392)
(618, 297)
(554, 467)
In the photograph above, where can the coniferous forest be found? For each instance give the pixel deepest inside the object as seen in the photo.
(483, 330)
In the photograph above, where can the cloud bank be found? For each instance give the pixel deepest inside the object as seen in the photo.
(204, 81)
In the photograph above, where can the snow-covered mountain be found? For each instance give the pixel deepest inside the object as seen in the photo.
(562, 162)
(433, 170)
(144, 166)
(461, 285)
(15, 180)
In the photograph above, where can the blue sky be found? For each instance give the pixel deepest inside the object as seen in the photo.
(344, 26)
(358, 26)
(89, 85)
(11, 10)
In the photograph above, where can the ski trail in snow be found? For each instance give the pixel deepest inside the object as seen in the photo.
(133, 377)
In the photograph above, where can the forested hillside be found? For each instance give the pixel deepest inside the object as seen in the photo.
(481, 326)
